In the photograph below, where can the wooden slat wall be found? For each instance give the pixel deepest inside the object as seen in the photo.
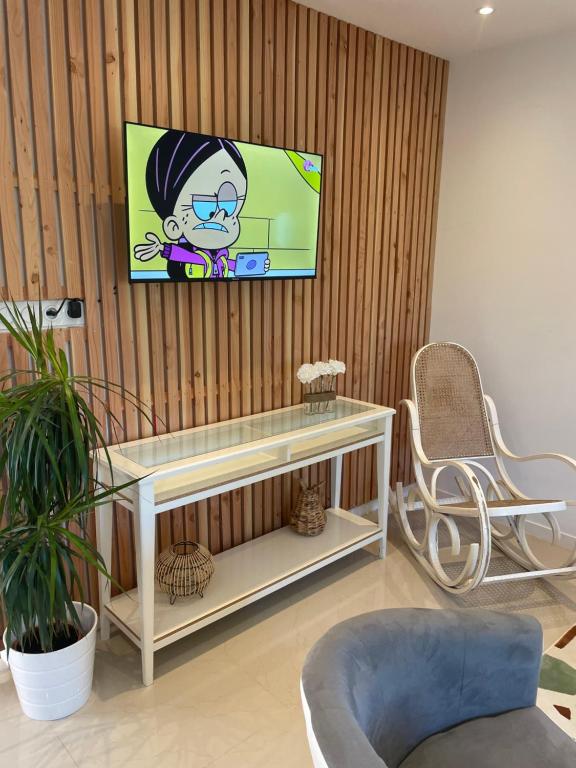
(267, 71)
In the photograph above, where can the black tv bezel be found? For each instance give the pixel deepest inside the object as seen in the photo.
(132, 281)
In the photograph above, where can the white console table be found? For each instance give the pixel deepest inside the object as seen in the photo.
(185, 467)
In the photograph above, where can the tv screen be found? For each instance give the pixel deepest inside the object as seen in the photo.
(208, 208)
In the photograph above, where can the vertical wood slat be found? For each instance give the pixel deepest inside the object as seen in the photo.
(267, 71)
(232, 129)
(12, 272)
(288, 285)
(255, 109)
(19, 53)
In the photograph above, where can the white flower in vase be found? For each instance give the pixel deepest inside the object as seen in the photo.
(324, 369)
(307, 373)
(337, 366)
(325, 374)
(320, 384)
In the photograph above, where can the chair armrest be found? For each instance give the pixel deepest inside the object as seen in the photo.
(505, 451)
(538, 456)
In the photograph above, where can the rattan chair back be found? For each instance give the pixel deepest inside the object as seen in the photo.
(447, 390)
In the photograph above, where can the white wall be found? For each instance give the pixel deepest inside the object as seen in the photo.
(505, 273)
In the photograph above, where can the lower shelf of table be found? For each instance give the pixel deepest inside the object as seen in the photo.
(245, 574)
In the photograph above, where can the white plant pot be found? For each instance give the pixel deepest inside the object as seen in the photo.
(56, 684)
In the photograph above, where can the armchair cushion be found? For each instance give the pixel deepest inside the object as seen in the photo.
(523, 738)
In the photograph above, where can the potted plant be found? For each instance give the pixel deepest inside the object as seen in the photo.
(47, 434)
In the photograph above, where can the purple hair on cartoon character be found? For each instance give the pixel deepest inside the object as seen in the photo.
(174, 158)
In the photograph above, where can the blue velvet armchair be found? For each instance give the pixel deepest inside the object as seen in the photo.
(430, 689)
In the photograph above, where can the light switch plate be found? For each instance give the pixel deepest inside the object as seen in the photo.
(40, 308)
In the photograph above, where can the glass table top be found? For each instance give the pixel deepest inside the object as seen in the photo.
(215, 438)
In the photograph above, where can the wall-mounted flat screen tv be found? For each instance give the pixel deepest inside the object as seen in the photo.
(208, 208)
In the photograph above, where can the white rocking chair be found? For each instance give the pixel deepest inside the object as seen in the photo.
(453, 426)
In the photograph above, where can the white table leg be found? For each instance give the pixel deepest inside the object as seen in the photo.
(104, 518)
(383, 477)
(145, 554)
(335, 480)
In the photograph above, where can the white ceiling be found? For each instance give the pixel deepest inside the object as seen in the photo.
(451, 28)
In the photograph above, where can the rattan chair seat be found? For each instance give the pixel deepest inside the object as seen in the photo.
(543, 505)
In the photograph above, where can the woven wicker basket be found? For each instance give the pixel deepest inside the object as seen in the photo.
(308, 517)
(184, 569)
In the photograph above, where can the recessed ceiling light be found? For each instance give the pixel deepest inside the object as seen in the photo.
(486, 10)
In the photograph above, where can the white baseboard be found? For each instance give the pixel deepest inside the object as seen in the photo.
(542, 531)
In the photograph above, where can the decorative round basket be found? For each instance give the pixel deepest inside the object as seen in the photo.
(308, 517)
(184, 569)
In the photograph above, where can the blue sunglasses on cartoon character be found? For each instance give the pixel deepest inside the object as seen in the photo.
(207, 206)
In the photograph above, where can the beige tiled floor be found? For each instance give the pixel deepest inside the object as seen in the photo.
(228, 696)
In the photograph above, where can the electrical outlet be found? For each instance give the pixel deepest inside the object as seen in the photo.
(54, 313)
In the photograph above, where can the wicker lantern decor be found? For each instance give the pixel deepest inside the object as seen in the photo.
(184, 569)
(308, 517)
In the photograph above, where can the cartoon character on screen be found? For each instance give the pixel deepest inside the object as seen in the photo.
(197, 185)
